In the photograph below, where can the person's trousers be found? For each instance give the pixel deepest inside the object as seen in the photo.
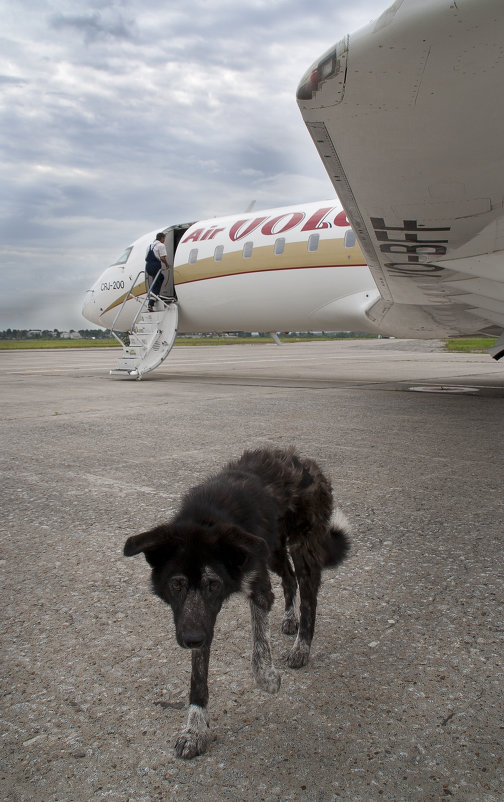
(156, 285)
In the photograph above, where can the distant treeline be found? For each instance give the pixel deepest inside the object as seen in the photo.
(104, 334)
(54, 334)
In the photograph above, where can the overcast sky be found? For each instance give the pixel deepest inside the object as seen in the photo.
(123, 116)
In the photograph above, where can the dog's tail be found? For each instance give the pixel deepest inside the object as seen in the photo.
(337, 544)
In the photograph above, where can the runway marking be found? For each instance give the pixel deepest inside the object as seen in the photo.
(440, 388)
(31, 371)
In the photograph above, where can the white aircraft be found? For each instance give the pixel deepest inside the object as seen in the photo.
(407, 120)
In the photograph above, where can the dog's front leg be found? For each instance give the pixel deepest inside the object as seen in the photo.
(194, 738)
(265, 673)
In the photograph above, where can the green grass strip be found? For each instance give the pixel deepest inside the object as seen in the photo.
(470, 345)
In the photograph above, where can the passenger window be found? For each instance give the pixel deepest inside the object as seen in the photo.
(279, 246)
(313, 242)
(193, 256)
(247, 250)
(349, 240)
(218, 253)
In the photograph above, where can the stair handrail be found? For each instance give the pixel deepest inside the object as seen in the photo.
(126, 299)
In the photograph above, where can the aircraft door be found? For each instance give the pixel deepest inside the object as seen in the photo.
(173, 236)
(168, 288)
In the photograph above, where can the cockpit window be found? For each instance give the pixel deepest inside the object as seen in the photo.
(124, 257)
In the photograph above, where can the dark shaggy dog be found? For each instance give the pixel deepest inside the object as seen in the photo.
(230, 531)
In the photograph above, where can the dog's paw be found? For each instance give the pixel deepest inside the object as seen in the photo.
(269, 679)
(299, 655)
(290, 622)
(193, 740)
(289, 626)
(190, 744)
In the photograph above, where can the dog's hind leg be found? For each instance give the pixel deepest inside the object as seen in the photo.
(265, 673)
(308, 576)
(281, 565)
(194, 738)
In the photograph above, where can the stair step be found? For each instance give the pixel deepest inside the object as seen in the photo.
(140, 338)
(145, 331)
(125, 367)
(132, 371)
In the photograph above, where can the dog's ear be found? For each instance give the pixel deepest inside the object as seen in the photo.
(238, 549)
(158, 544)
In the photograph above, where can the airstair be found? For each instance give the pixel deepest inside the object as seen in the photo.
(151, 336)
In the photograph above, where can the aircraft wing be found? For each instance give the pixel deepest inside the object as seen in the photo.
(408, 119)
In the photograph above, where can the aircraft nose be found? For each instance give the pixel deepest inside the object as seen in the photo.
(89, 309)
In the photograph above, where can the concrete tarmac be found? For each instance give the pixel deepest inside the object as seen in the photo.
(402, 698)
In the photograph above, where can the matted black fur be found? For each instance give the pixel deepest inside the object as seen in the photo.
(268, 510)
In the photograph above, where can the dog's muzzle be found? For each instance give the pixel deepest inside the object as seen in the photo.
(192, 639)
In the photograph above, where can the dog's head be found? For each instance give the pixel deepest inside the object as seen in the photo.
(195, 568)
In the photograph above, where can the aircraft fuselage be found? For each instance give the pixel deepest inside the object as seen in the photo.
(290, 268)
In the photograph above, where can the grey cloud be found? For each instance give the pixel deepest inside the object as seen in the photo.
(94, 26)
(12, 80)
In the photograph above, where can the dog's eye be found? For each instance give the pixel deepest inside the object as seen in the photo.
(214, 585)
(176, 585)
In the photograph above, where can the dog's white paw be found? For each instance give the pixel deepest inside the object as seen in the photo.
(190, 744)
(193, 740)
(268, 679)
(299, 655)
